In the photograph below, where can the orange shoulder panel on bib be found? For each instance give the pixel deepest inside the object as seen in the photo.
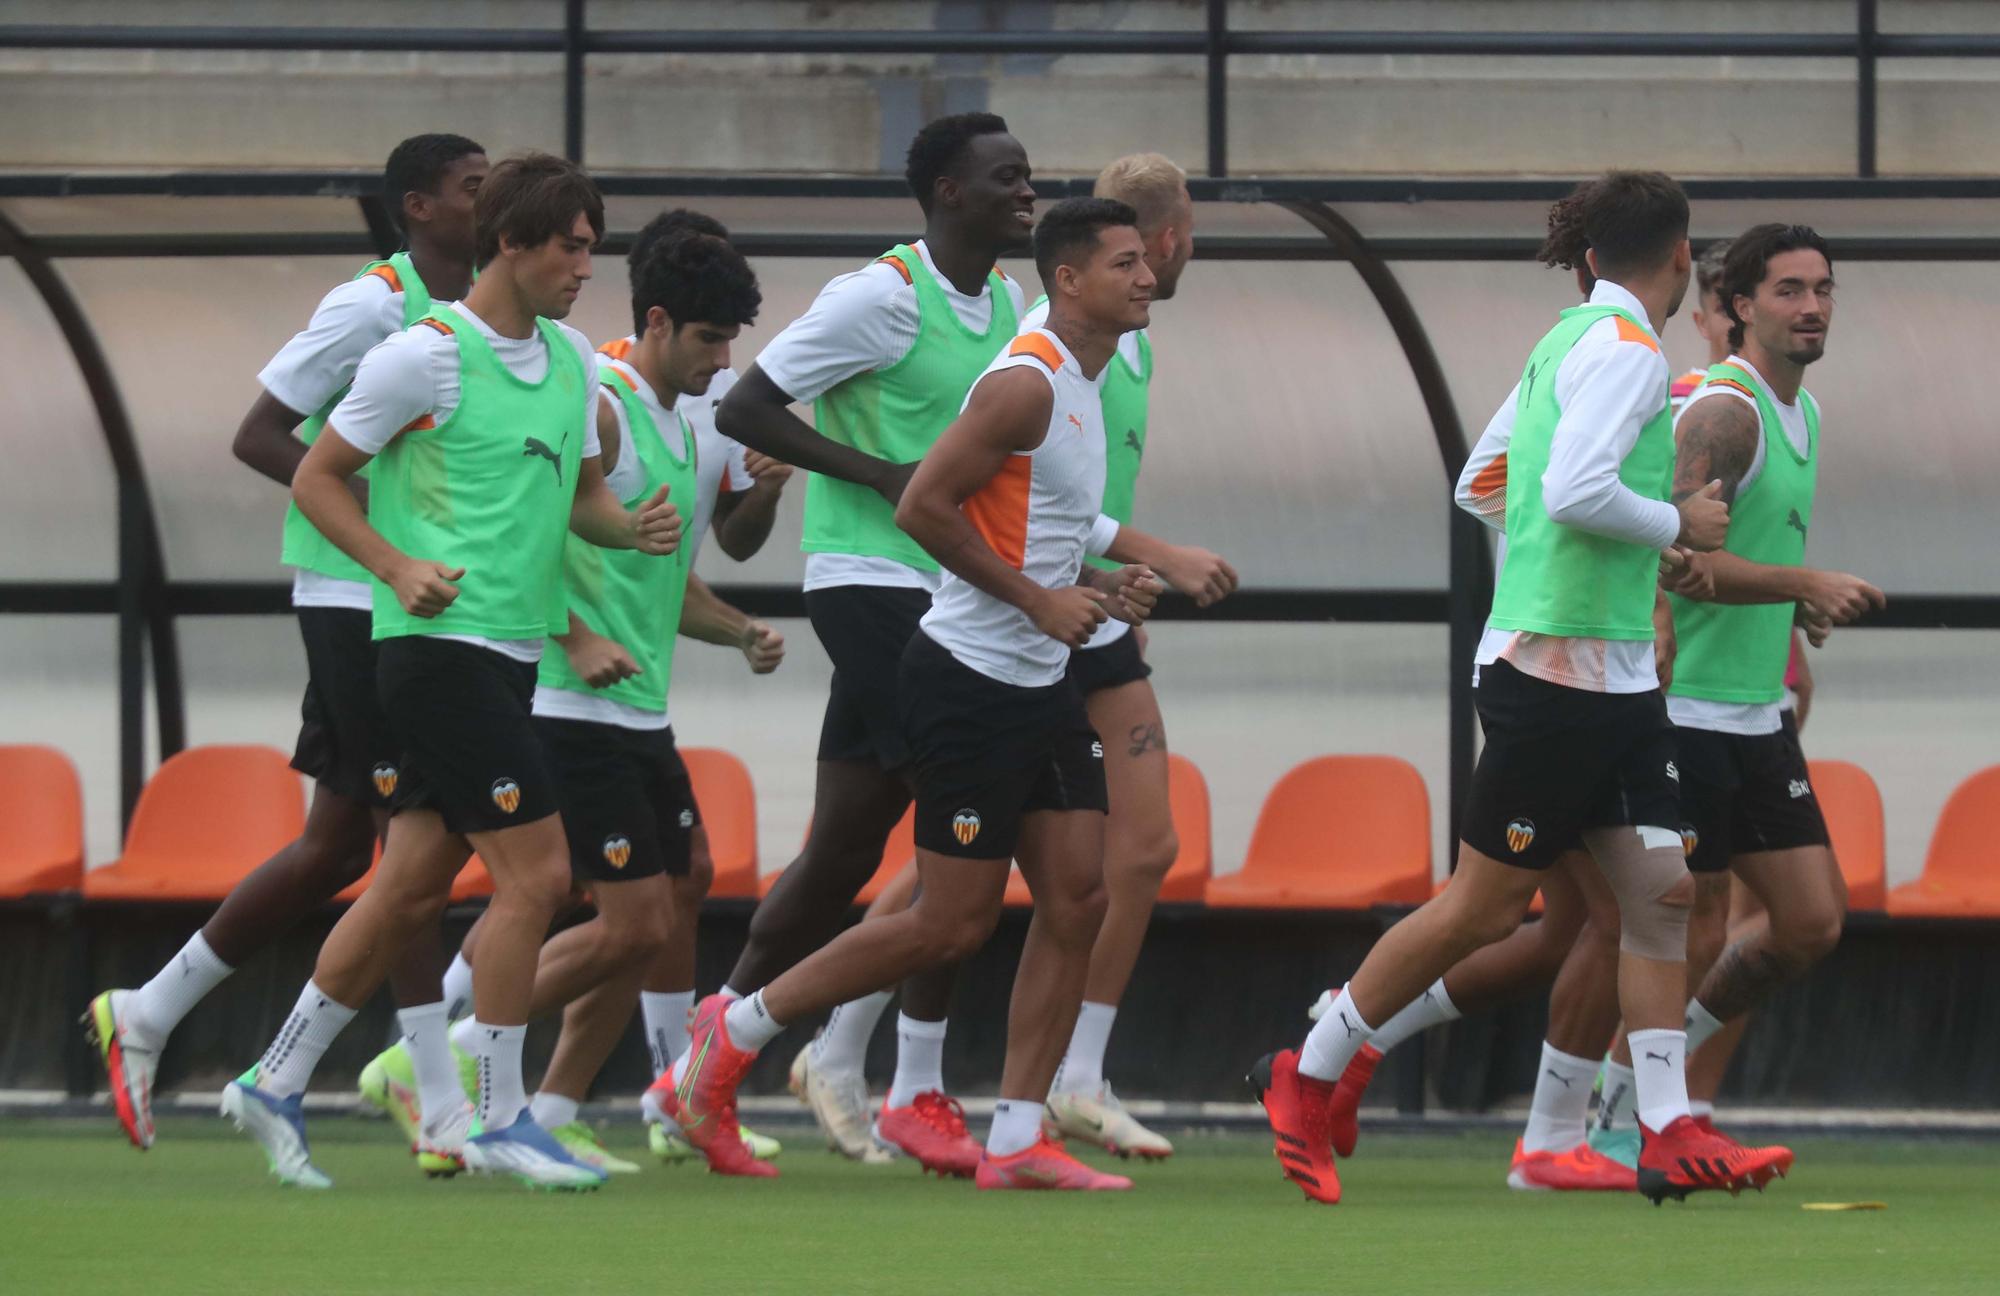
(387, 274)
(891, 259)
(1034, 344)
(617, 348)
(438, 324)
(1630, 332)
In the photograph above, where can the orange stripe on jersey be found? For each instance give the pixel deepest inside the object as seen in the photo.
(998, 510)
(620, 376)
(437, 324)
(422, 423)
(1491, 478)
(1034, 344)
(1733, 385)
(387, 274)
(1630, 332)
(901, 269)
(617, 348)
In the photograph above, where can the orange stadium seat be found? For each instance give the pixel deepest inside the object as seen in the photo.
(1853, 808)
(1961, 876)
(1187, 801)
(1337, 832)
(41, 806)
(728, 801)
(207, 817)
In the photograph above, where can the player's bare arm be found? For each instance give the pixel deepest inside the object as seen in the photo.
(598, 661)
(1205, 577)
(1007, 413)
(598, 516)
(706, 616)
(743, 519)
(267, 440)
(1716, 441)
(757, 412)
(1837, 597)
(423, 587)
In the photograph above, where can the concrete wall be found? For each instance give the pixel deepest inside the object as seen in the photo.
(1297, 115)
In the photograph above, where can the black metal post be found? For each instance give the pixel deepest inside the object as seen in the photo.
(1218, 88)
(1864, 88)
(573, 30)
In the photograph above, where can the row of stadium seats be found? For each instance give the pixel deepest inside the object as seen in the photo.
(1336, 833)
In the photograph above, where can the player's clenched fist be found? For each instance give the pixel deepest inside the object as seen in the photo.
(1070, 615)
(656, 525)
(425, 588)
(1135, 592)
(763, 648)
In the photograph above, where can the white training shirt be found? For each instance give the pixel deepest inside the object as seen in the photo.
(310, 369)
(414, 374)
(1743, 717)
(863, 321)
(1608, 387)
(1128, 348)
(1037, 513)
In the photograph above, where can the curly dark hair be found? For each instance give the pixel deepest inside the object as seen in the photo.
(1072, 226)
(695, 278)
(668, 225)
(1749, 259)
(417, 165)
(1631, 219)
(938, 147)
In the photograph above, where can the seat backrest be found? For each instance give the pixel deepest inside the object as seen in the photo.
(219, 805)
(1366, 817)
(1187, 797)
(1852, 805)
(728, 802)
(1965, 847)
(41, 804)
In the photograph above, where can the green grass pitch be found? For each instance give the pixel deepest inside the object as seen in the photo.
(80, 1211)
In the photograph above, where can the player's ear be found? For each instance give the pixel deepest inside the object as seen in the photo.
(416, 207)
(656, 318)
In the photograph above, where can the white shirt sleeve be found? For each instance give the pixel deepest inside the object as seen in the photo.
(1103, 534)
(1482, 485)
(395, 385)
(1608, 390)
(626, 476)
(735, 473)
(861, 321)
(321, 358)
(592, 447)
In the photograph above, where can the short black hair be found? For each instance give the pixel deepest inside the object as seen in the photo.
(1749, 260)
(670, 224)
(1631, 219)
(695, 278)
(417, 165)
(531, 198)
(1072, 226)
(938, 147)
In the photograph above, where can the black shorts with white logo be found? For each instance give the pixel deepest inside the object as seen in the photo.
(1559, 760)
(344, 742)
(1116, 663)
(1745, 793)
(627, 804)
(986, 754)
(469, 749)
(864, 629)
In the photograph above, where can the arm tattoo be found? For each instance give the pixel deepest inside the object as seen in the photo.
(1147, 738)
(1717, 439)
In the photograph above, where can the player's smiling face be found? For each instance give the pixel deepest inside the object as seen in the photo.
(994, 191)
(1117, 285)
(1793, 307)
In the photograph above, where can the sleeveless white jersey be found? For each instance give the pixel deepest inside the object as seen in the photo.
(1037, 514)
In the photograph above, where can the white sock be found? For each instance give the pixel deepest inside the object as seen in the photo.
(666, 1017)
(458, 988)
(750, 1025)
(1659, 1063)
(1615, 1106)
(920, 1062)
(427, 1035)
(1701, 1023)
(288, 1064)
(1698, 1108)
(553, 1111)
(1017, 1123)
(842, 1048)
(1432, 1008)
(1082, 1069)
(502, 1094)
(731, 993)
(155, 1008)
(1334, 1040)
(1562, 1096)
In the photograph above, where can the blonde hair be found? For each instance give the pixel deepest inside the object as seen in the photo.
(1152, 184)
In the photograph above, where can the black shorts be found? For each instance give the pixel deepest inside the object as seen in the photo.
(1118, 662)
(1746, 792)
(1559, 760)
(864, 629)
(344, 742)
(469, 749)
(627, 805)
(986, 754)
